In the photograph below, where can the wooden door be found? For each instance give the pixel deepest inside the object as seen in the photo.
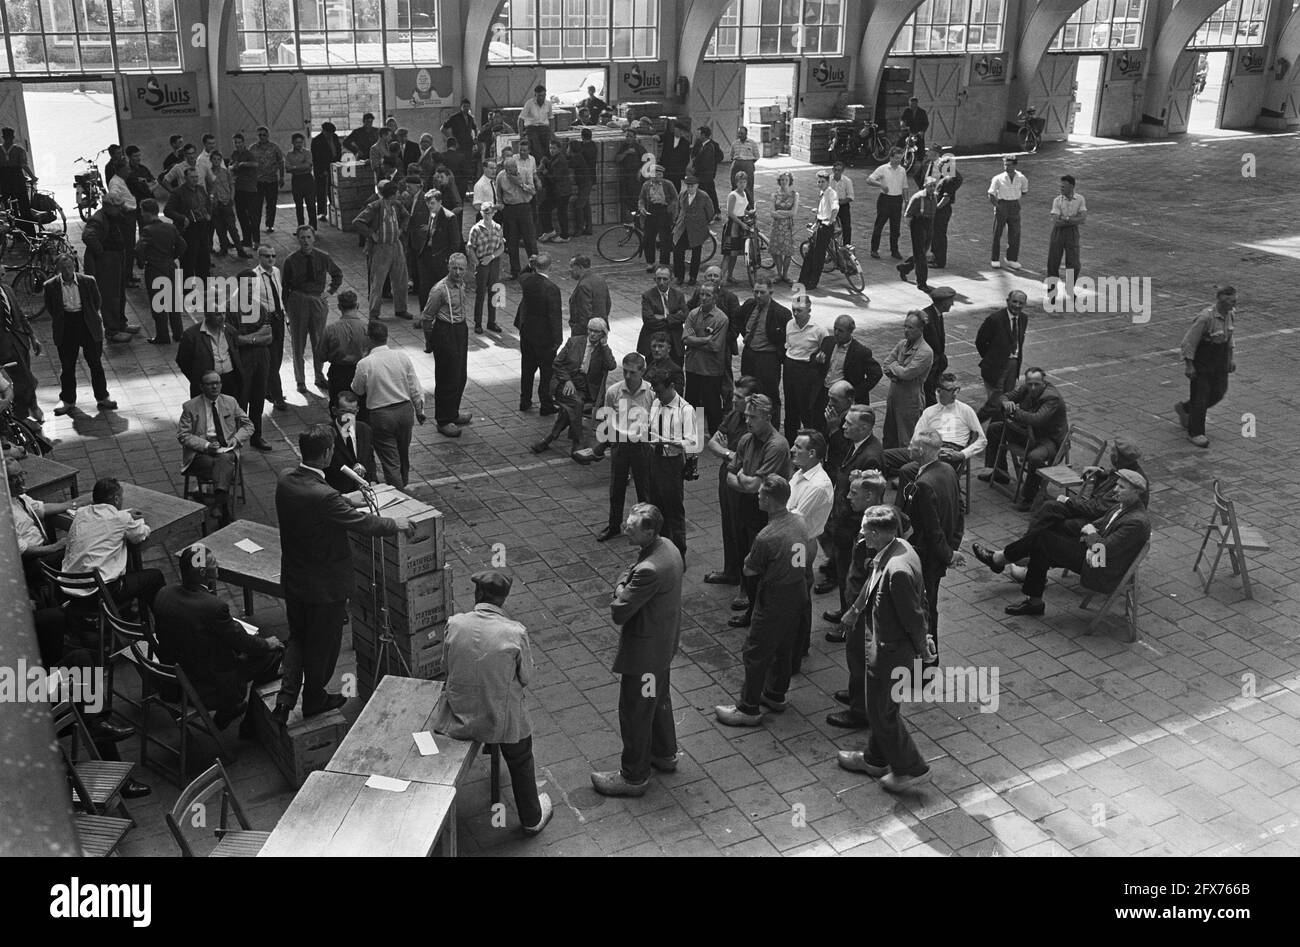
(717, 100)
(1053, 94)
(1182, 86)
(278, 101)
(508, 87)
(937, 82)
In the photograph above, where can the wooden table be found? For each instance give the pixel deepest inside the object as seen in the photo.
(335, 815)
(168, 517)
(253, 572)
(49, 480)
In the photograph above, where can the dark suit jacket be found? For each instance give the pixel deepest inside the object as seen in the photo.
(674, 158)
(994, 344)
(897, 609)
(364, 455)
(936, 337)
(194, 355)
(861, 370)
(1044, 414)
(314, 519)
(777, 317)
(90, 306)
(196, 631)
(933, 503)
(540, 316)
(325, 150)
(647, 603)
(568, 367)
(870, 455)
(1122, 542)
(654, 319)
(589, 300)
(160, 245)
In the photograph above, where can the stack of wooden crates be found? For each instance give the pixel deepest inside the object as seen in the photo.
(300, 747)
(767, 127)
(811, 140)
(352, 184)
(416, 584)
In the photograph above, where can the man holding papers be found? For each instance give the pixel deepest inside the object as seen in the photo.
(212, 430)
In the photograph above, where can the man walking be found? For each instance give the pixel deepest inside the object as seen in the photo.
(1069, 211)
(1005, 191)
(540, 321)
(386, 379)
(933, 503)
(891, 180)
(920, 212)
(690, 229)
(446, 334)
(304, 289)
(1000, 342)
(72, 300)
(1208, 359)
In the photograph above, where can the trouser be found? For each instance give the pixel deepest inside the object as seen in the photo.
(802, 385)
(106, 267)
(167, 324)
(255, 370)
(1064, 242)
(534, 360)
(387, 261)
(268, 193)
(582, 207)
(307, 318)
(450, 343)
(933, 571)
(539, 140)
(842, 558)
(645, 720)
(629, 193)
(994, 390)
(517, 222)
(939, 236)
(1006, 217)
(1040, 455)
(667, 492)
(889, 209)
(76, 339)
(1204, 392)
(748, 167)
(223, 223)
(315, 633)
(197, 259)
(304, 199)
(518, 758)
(126, 226)
(321, 174)
(709, 187)
(747, 521)
(569, 418)
(220, 469)
(766, 367)
(803, 635)
(855, 656)
(846, 222)
(732, 560)
(920, 229)
(390, 430)
(889, 743)
(340, 377)
(274, 386)
(770, 644)
(247, 207)
(1046, 549)
(658, 233)
(930, 387)
(486, 275)
(679, 258)
(554, 209)
(627, 460)
(810, 272)
(705, 391)
(424, 270)
(140, 585)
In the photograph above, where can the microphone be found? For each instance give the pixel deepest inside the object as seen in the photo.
(356, 478)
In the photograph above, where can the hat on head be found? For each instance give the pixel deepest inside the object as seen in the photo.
(493, 582)
(1125, 448)
(1133, 477)
(691, 179)
(942, 292)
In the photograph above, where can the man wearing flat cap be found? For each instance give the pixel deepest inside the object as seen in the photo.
(1101, 554)
(489, 663)
(690, 228)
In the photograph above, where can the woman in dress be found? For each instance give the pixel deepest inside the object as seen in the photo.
(733, 235)
(785, 204)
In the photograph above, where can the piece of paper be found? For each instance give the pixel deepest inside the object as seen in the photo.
(388, 783)
(248, 629)
(226, 450)
(425, 743)
(248, 546)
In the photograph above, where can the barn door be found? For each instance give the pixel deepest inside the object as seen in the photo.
(1182, 87)
(280, 102)
(937, 83)
(717, 100)
(509, 87)
(1053, 95)
(13, 114)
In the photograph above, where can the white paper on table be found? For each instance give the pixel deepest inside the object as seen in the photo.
(425, 743)
(387, 782)
(248, 546)
(248, 629)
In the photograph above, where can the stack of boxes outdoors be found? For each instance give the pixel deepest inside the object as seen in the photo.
(811, 140)
(767, 127)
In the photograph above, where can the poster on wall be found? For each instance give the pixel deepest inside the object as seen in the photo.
(987, 69)
(825, 74)
(173, 96)
(423, 88)
(1128, 64)
(1250, 62)
(636, 81)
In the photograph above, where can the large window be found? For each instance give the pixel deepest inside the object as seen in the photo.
(951, 27)
(1236, 23)
(336, 34)
(581, 31)
(750, 28)
(52, 37)
(1102, 24)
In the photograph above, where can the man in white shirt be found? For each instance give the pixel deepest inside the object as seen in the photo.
(803, 339)
(621, 431)
(35, 544)
(828, 209)
(891, 179)
(843, 188)
(97, 539)
(535, 122)
(1005, 191)
(744, 156)
(811, 495)
(674, 430)
(485, 188)
(1069, 211)
(386, 379)
(957, 425)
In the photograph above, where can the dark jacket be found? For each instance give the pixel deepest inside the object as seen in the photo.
(314, 519)
(194, 355)
(364, 455)
(102, 236)
(1045, 415)
(674, 158)
(861, 370)
(1122, 542)
(589, 300)
(325, 150)
(90, 306)
(935, 335)
(844, 522)
(896, 603)
(647, 604)
(777, 317)
(705, 158)
(540, 316)
(557, 177)
(568, 367)
(933, 503)
(160, 245)
(994, 344)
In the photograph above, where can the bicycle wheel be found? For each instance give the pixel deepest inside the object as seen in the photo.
(619, 244)
(1028, 140)
(909, 158)
(879, 148)
(710, 249)
(751, 259)
(827, 265)
(852, 271)
(18, 434)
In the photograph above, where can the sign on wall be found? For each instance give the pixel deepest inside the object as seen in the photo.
(1250, 62)
(162, 96)
(1128, 64)
(640, 80)
(423, 88)
(988, 69)
(825, 74)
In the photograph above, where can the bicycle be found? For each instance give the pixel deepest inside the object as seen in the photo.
(624, 242)
(24, 433)
(43, 250)
(911, 150)
(839, 256)
(1031, 129)
(89, 185)
(755, 246)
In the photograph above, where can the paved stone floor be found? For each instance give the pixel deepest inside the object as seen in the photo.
(1184, 743)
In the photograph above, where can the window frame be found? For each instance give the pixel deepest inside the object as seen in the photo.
(550, 27)
(347, 26)
(736, 38)
(1087, 17)
(1216, 24)
(77, 36)
(974, 19)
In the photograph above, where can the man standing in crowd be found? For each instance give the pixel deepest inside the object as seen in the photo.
(1005, 191)
(462, 127)
(861, 450)
(1069, 211)
(906, 367)
(535, 121)
(933, 503)
(943, 166)
(663, 309)
(674, 434)
(916, 122)
(516, 191)
(106, 246)
(920, 211)
(762, 321)
(828, 211)
(812, 494)
(382, 224)
(72, 300)
(723, 444)
(590, 297)
(629, 172)
(705, 340)
(803, 340)
(583, 158)
(744, 155)
(622, 432)
(15, 172)
(270, 172)
(647, 605)
(690, 229)
(936, 336)
(705, 158)
(891, 179)
(343, 344)
(211, 346)
(302, 184)
(540, 321)
(1208, 359)
(447, 337)
(841, 357)
(190, 209)
(843, 188)
(248, 197)
(213, 429)
(1000, 342)
(305, 271)
(386, 379)
(486, 246)
(354, 446)
(360, 140)
(326, 149)
(675, 153)
(158, 250)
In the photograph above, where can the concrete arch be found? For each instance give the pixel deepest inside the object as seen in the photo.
(696, 29)
(1179, 27)
(1288, 43)
(883, 21)
(478, 32)
(1044, 23)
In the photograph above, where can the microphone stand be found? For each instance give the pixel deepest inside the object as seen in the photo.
(379, 601)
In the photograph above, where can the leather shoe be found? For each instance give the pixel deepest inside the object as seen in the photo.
(132, 789)
(525, 406)
(842, 697)
(332, 702)
(847, 720)
(664, 764)
(548, 810)
(585, 456)
(547, 410)
(541, 447)
(493, 327)
(732, 716)
(608, 533)
(464, 418)
(721, 578)
(996, 476)
(613, 784)
(821, 588)
(739, 621)
(259, 443)
(111, 732)
(835, 636)
(833, 617)
(892, 782)
(740, 603)
(985, 555)
(106, 404)
(449, 429)
(855, 761)
(1025, 607)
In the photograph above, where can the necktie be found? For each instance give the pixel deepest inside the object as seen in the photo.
(349, 443)
(216, 424)
(1015, 336)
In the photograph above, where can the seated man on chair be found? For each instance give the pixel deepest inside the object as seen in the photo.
(1037, 405)
(97, 539)
(1101, 553)
(219, 656)
(35, 542)
(213, 428)
(353, 446)
(957, 426)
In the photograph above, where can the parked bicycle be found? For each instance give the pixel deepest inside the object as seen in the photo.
(1031, 129)
(839, 256)
(851, 140)
(42, 251)
(23, 432)
(911, 150)
(758, 256)
(626, 241)
(89, 185)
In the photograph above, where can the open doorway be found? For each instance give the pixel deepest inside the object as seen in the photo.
(67, 121)
(1088, 79)
(771, 87)
(1207, 98)
(570, 85)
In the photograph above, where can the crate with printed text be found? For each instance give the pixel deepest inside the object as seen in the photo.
(418, 650)
(302, 746)
(420, 602)
(403, 557)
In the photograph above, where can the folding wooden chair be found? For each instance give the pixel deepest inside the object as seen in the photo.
(121, 634)
(1013, 453)
(243, 842)
(1061, 477)
(203, 489)
(100, 835)
(82, 611)
(1128, 588)
(96, 783)
(1232, 535)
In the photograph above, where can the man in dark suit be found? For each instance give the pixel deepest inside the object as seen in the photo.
(1037, 405)
(540, 321)
(218, 655)
(843, 358)
(1101, 553)
(213, 429)
(159, 248)
(316, 571)
(326, 148)
(72, 300)
(862, 451)
(936, 336)
(933, 503)
(1000, 342)
(202, 346)
(663, 309)
(353, 446)
(762, 321)
(578, 380)
(675, 153)
(647, 605)
(893, 603)
(590, 297)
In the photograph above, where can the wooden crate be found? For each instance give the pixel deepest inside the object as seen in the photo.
(303, 745)
(422, 653)
(405, 558)
(760, 133)
(420, 602)
(770, 149)
(634, 111)
(764, 113)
